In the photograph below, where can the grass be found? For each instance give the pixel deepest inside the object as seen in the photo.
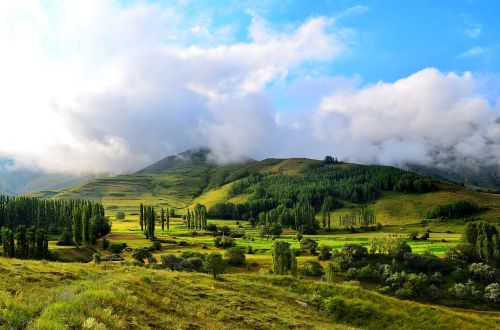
(47, 295)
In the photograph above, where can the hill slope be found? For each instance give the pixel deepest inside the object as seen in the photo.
(50, 295)
(188, 178)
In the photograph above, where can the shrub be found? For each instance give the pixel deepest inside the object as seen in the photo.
(298, 236)
(413, 236)
(309, 244)
(324, 253)
(156, 245)
(397, 249)
(104, 244)
(368, 273)
(119, 215)
(330, 272)
(352, 273)
(211, 227)
(432, 292)
(354, 250)
(141, 253)
(65, 239)
(492, 292)
(183, 243)
(97, 258)
(249, 249)
(173, 262)
(464, 291)
(196, 262)
(116, 247)
(335, 306)
(465, 252)
(482, 272)
(224, 242)
(192, 254)
(235, 256)
(312, 268)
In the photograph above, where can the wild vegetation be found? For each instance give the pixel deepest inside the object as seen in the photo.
(348, 244)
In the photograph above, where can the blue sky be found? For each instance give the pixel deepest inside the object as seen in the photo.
(110, 86)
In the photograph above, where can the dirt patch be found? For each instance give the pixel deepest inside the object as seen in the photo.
(123, 237)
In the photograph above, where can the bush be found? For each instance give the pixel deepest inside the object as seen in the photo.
(492, 292)
(119, 215)
(309, 244)
(482, 272)
(117, 247)
(183, 243)
(224, 242)
(432, 292)
(354, 250)
(352, 273)
(97, 258)
(312, 268)
(104, 244)
(141, 253)
(398, 248)
(335, 306)
(330, 272)
(464, 291)
(235, 256)
(324, 253)
(196, 262)
(65, 239)
(156, 245)
(212, 227)
(368, 273)
(249, 249)
(173, 262)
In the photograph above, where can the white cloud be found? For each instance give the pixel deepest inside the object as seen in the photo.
(96, 86)
(475, 51)
(428, 117)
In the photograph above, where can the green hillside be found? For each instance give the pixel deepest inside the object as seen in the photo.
(189, 178)
(49, 295)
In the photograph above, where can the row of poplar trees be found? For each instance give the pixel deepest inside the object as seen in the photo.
(25, 243)
(88, 223)
(55, 216)
(197, 220)
(147, 219)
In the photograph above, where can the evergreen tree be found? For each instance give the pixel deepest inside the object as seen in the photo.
(22, 242)
(141, 217)
(77, 227)
(162, 218)
(168, 219)
(281, 257)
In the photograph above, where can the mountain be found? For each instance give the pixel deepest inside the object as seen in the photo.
(21, 181)
(481, 177)
(182, 180)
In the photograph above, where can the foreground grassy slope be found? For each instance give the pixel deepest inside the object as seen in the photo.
(49, 295)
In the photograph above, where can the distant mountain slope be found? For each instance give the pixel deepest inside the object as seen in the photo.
(486, 176)
(22, 181)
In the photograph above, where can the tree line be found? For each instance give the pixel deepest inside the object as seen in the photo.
(197, 220)
(25, 243)
(320, 186)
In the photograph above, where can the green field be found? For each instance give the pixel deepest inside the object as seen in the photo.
(47, 295)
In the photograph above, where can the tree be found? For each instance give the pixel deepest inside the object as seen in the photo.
(281, 257)
(293, 264)
(141, 217)
(162, 218)
(42, 244)
(235, 256)
(77, 227)
(214, 264)
(22, 242)
(168, 219)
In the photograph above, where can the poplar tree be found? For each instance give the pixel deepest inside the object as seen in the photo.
(168, 219)
(282, 257)
(77, 227)
(162, 217)
(141, 217)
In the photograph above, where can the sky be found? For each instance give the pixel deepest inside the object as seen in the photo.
(110, 86)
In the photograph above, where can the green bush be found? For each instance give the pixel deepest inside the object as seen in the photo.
(324, 253)
(104, 244)
(312, 268)
(65, 239)
(119, 215)
(141, 253)
(235, 256)
(117, 247)
(309, 245)
(335, 306)
(156, 245)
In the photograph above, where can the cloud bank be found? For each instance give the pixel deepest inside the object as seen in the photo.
(101, 87)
